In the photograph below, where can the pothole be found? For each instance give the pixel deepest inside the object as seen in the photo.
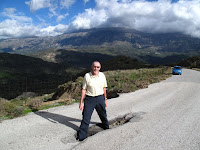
(130, 117)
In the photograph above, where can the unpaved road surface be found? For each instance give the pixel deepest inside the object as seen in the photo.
(167, 117)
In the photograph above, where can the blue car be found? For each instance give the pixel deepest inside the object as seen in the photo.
(177, 70)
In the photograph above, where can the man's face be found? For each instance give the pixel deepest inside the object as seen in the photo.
(95, 68)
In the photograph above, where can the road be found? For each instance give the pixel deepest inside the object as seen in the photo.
(166, 117)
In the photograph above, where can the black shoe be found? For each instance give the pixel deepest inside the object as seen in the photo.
(101, 125)
(80, 139)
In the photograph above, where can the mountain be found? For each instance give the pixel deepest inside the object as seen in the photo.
(151, 48)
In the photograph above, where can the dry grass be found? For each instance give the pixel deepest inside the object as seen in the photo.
(197, 69)
(124, 81)
(35, 103)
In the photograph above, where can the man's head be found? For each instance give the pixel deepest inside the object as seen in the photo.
(96, 66)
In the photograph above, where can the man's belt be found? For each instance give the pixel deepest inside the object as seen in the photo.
(94, 96)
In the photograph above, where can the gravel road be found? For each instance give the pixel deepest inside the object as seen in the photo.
(167, 117)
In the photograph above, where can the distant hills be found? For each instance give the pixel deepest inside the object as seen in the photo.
(27, 66)
(193, 62)
(123, 63)
(150, 48)
(19, 73)
(75, 58)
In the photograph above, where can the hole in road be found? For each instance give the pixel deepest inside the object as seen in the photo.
(131, 117)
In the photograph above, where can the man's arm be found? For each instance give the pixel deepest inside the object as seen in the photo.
(82, 98)
(105, 95)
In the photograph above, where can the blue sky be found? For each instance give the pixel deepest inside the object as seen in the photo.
(22, 18)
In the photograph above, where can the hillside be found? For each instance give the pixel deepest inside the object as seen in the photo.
(75, 58)
(151, 48)
(193, 62)
(19, 73)
(123, 63)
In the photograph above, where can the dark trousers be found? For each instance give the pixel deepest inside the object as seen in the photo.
(90, 103)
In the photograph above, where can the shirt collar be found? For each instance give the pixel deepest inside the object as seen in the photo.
(92, 75)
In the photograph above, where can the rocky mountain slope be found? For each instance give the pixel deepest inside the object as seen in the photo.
(152, 48)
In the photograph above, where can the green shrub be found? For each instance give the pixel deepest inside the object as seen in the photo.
(9, 109)
(2, 105)
(16, 111)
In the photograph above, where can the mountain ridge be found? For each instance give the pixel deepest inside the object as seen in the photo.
(110, 41)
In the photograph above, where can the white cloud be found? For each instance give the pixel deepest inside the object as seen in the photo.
(158, 16)
(10, 13)
(85, 1)
(17, 25)
(90, 19)
(21, 26)
(38, 4)
(67, 3)
(13, 28)
(53, 30)
(51, 4)
(10, 10)
(61, 17)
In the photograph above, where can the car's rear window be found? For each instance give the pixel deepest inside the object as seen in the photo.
(177, 67)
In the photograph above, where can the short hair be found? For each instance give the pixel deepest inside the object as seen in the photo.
(96, 62)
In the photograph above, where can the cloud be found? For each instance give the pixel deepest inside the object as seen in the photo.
(53, 30)
(38, 4)
(160, 16)
(9, 10)
(52, 5)
(85, 1)
(12, 28)
(67, 3)
(90, 19)
(10, 13)
(18, 25)
(61, 17)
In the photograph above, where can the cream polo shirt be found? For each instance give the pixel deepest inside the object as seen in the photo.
(94, 85)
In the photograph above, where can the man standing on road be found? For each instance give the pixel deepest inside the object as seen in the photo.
(94, 95)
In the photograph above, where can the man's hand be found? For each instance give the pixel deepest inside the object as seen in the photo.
(106, 104)
(81, 106)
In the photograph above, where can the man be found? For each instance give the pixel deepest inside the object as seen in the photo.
(94, 95)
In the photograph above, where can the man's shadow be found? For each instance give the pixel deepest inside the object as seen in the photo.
(57, 118)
